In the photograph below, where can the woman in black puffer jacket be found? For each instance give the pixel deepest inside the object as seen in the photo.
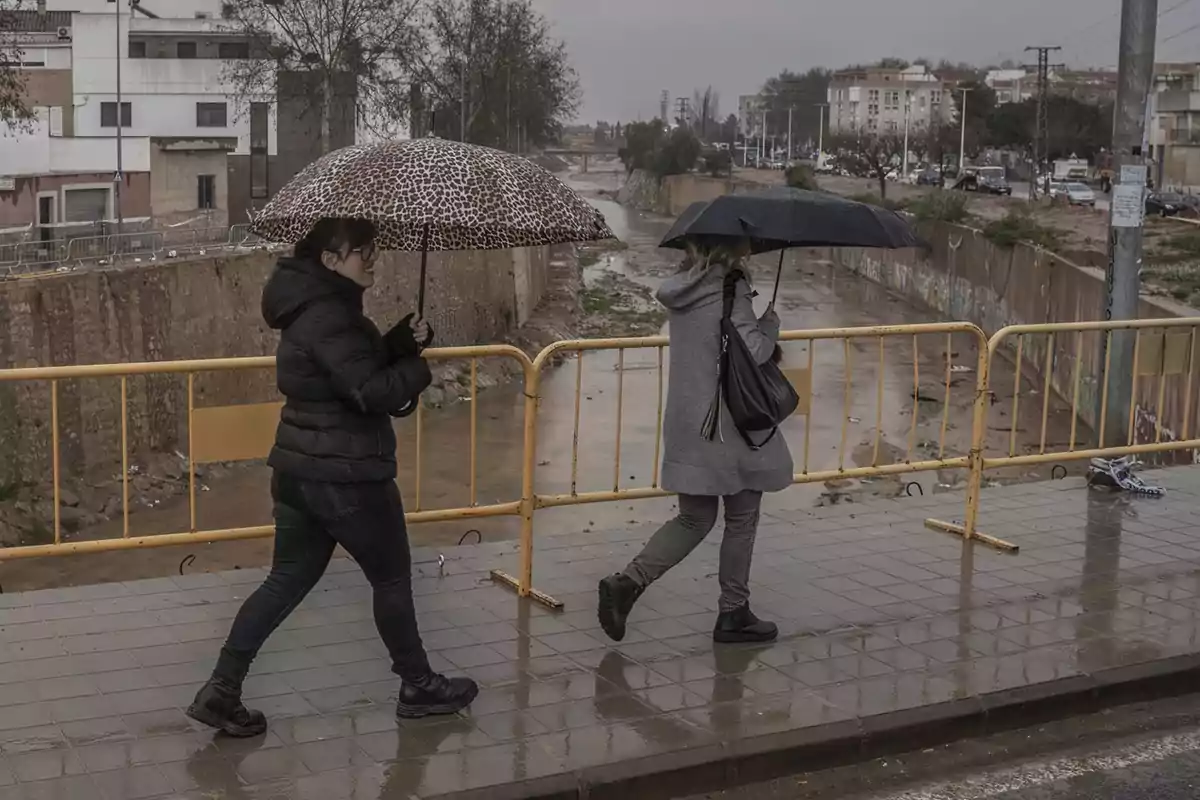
(334, 469)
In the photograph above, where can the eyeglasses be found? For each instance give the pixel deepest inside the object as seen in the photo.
(367, 251)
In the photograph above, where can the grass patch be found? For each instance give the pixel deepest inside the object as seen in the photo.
(1018, 226)
(941, 206)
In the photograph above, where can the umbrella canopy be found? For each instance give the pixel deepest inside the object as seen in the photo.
(781, 217)
(433, 194)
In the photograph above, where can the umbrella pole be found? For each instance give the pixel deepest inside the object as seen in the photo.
(778, 275)
(424, 266)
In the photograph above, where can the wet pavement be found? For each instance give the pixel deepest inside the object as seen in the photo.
(884, 624)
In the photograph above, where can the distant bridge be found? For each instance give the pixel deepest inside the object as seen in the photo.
(584, 153)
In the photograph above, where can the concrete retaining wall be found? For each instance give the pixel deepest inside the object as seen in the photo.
(673, 194)
(967, 277)
(205, 308)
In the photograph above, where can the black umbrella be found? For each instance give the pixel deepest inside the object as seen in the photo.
(782, 217)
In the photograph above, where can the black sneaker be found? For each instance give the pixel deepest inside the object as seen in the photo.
(618, 593)
(435, 694)
(218, 706)
(740, 625)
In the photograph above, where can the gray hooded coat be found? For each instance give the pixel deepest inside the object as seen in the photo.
(726, 465)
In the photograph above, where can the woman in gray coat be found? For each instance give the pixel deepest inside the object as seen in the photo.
(700, 471)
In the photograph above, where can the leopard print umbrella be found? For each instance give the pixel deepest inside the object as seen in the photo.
(433, 194)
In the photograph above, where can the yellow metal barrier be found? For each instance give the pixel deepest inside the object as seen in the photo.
(835, 362)
(846, 340)
(235, 433)
(1162, 378)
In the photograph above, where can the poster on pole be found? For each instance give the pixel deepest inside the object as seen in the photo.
(1128, 205)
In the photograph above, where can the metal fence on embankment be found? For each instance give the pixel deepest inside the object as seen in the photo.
(866, 412)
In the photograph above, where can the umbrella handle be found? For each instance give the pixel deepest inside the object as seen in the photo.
(424, 266)
(778, 275)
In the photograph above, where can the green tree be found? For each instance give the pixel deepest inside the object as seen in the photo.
(980, 104)
(642, 142)
(677, 154)
(15, 113)
(874, 153)
(342, 51)
(498, 75)
(802, 94)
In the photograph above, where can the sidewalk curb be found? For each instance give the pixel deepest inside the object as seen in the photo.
(734, 763)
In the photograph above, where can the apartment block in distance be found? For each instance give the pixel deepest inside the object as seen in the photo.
(874, 99)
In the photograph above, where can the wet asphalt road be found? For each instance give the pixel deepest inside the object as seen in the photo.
(1146, 751)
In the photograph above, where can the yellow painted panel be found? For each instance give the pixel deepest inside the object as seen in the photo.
(801, 380)
(1152, 360)
(234, 433)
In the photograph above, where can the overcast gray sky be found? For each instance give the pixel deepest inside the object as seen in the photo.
(628, 51)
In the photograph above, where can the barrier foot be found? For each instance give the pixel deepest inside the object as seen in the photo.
(991, 541)
(500, 576)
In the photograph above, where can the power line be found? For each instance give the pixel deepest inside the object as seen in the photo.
(1175, 36)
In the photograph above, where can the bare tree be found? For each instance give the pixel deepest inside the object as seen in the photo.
(15, 113)
(496, 74)
(328, 44)
(704, 111)
(876, 152)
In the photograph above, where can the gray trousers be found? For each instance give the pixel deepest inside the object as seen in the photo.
(697, 517)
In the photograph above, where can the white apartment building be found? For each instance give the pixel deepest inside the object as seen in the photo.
(877, 99)
(1011, 85)
(184, 137)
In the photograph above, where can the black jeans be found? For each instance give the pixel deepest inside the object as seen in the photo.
(311, 519)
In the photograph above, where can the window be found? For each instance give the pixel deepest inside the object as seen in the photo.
(185, 50)
(108, 115)
(211, 115)
(137, 49)
(873, 96)
(206, 192)
(233, 50)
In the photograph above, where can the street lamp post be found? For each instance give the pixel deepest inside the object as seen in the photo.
(907, 115)
(118, 176)
(789, 152)
(821, 131)
(962, 137)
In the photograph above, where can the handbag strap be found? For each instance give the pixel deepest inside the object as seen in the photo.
(730, 292)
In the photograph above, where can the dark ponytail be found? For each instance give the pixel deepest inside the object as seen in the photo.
(333, 234)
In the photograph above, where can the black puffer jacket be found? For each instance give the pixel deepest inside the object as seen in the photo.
(341, 383)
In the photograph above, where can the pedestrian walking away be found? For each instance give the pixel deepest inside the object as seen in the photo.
(334, 469)
(706, 472)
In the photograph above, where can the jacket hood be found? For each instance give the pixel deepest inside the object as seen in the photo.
(297, 283)
(699, 286)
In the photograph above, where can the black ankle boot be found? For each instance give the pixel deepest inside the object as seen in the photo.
(435, 694)
(220, 706)
(740, 625)
(618, 593)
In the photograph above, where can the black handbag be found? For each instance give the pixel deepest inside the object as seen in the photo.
(759, 396)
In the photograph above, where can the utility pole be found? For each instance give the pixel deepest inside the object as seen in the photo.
(1041, 142)
(1135, 72)
(791, 109)
(907, 115)
(682, 104)
(762, 140)
(664, 100)
(119, 175)
(821, 131)
(962, 137)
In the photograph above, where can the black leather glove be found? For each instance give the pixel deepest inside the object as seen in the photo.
(400, 341)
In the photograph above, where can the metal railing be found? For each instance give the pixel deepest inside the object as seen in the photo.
(1075, 362)
(36, 256)
(867, 381)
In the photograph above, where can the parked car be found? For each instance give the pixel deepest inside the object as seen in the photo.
(929, 177)
(1165, 204)
(993, 184)
(1079, 194)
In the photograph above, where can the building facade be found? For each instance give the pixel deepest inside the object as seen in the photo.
(193, 153)
(1173, 125)
(879, 100)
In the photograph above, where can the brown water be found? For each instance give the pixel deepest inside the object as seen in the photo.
(811, 296)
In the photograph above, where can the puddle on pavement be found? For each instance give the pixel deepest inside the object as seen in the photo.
(812, 295)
